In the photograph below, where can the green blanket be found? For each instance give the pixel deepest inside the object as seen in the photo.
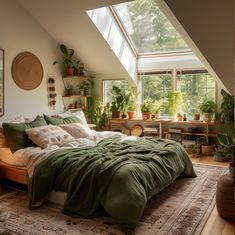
(116, 175)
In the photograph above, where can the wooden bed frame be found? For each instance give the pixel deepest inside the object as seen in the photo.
(18, 175)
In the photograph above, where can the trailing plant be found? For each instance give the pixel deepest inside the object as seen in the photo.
(174, 103)
(226, 113)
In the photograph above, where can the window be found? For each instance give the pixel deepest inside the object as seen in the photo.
(196, 87)
(157, 87)
(108, 86)
(147, 27)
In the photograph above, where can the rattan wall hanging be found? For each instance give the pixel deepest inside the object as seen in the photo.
(27, 71)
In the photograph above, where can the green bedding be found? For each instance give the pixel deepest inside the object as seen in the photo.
(117, 176)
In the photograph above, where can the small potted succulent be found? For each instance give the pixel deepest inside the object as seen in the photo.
(146, 109)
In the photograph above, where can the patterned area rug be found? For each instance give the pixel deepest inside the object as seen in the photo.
(182, 208)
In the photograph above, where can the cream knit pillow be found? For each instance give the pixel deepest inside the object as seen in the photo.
(49, 135)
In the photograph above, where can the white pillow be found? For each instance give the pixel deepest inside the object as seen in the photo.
(81, 115)
(45, 136)
(65, 114)
(75, 129)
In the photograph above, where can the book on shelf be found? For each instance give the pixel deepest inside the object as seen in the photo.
(174, 130)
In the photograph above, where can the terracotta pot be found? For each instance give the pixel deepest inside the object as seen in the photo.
(179, 118)
(208, 149)
(117, 114)
(197, 116)
(146, 115)
(232, 169)
(70, 71)
(131, 114)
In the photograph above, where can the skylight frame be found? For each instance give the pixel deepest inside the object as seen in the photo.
(133, 46)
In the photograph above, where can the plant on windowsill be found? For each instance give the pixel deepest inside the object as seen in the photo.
(179, 117)
(174, 104)
(208, 108)
(118, 104)
(146, 109)
(157, 107)
(132, 102)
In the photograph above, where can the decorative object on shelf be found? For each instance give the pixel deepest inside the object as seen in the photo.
(1, 82)
(51, 91)
(185, 117)
(196, 116)
(146, 109)
(208, 109)
(174, 104)
(27, 71)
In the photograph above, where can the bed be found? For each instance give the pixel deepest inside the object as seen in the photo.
(102, 173)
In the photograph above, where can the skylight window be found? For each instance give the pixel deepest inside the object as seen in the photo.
(148, 29)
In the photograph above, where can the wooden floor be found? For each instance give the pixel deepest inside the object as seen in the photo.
(215, 224)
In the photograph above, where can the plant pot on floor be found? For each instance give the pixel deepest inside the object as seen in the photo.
(220, 156)
(207, 150)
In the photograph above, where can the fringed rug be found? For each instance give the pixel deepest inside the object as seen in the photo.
(182, 208)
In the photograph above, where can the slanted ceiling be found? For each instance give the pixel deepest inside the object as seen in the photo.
(208, 28)
(67, 22)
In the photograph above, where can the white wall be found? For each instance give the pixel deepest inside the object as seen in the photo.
(20, 32)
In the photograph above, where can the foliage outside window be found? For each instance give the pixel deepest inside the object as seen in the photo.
(148, 28)
(157, 87)
(108, 95)
(196, 86)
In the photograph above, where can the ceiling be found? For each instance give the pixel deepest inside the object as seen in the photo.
(67, 22)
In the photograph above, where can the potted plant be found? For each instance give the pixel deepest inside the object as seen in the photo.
(68, 60)
(118, 102)
(146, 109)
(174, 104)
(208, 109)
(157, 106)
(179, 117)
(132, 103)
(206, 148)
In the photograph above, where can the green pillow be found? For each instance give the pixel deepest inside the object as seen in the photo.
(58, 121)
(16, 135)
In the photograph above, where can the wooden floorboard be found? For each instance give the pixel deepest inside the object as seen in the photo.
(215, 225)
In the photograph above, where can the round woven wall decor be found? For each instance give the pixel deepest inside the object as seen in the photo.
(27, 71)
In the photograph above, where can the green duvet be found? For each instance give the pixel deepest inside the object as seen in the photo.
(117, 176)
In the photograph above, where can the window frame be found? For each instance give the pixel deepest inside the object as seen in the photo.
(103, 88)
(132, 44)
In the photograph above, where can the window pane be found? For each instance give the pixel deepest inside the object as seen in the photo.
(108, 88)
(196, 87)
(148, 28)
(157, 87)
